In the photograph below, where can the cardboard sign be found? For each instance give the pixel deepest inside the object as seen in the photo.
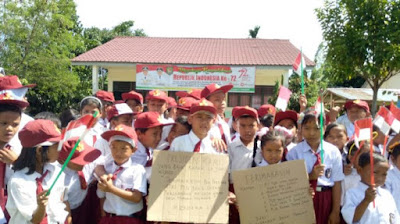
(189, 187)
(274, 194)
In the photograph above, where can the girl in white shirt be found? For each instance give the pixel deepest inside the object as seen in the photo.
(370, 203)
(393, 178)
(272, 148)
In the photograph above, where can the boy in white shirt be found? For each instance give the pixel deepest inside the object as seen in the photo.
(125, 184)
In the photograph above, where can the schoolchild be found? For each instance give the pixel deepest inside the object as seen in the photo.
(107, 100)
(179, 128)
(288, 119)
(90, 105)
(355, 110)
(392, 183)
(184, 104)
(134, 101)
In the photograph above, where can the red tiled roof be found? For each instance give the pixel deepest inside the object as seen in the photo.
(201, 51)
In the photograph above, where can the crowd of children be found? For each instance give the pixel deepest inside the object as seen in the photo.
(106, 180)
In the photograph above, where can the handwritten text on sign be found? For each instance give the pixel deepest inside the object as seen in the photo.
(189, 187)
(274, 194)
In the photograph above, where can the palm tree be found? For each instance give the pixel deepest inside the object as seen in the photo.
(253, 33)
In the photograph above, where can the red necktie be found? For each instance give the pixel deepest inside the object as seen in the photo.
(149, 159)
(221, 130)
(197, 146)
(2, 178)
(317, 162)
(115, 174)
(82, 180)
(39, 182)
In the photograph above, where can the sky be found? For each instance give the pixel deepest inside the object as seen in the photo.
(279, 19)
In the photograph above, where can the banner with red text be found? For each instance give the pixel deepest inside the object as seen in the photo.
(178, 78)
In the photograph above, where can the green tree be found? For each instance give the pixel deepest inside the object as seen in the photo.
(363, 39)
(253, 32)
(37, 41)
(312, 86)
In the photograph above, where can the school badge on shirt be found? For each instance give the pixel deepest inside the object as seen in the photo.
(328, 173)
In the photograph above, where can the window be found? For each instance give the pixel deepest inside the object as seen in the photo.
(255, 100)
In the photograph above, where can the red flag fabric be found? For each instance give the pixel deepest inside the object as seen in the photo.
(396, 115)
(299, 63)
(363, 129)
(283, 98)
(383, 120)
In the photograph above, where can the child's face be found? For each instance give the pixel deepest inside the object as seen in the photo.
(288, 124)
(121, 151)
(180, 112)
(311, 132)
(337, 137)
(355, 113)
(219, 101)
(9, 124)
(125, 119)
(176, 131)
(273, 151)
(135, 106)
(106, 107)
(159, 106)
(90, 109)
(52, 153)
(396, 162)
(380, 173)
(151, 137)
(201, 122)
(247, 127)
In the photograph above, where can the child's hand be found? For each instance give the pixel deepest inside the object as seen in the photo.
(7, 156)
(303, 103)
(219, 144)
(105, 184)
(231, 198)
(333, 113)
(347, 169)
(317, 171)
(370, 193)
(311, 191)
(42, 199)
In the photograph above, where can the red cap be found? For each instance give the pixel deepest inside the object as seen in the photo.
(12, 82)
(266, 109)
(171, 102)
(119, 101)
(194, 93)
(132, 95)
(282, 115)
(128, 134)
(246, 110)
(149, 120)
(359, 103)
(185, 103)
(213, 88)
(39, 133)
(157, 95)
(118, 109)
(105, 96)
(14, 96)
(203, 105)
(83, 154)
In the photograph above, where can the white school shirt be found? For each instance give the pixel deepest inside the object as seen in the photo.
(241, 157)
(215, 132)
(76, 194)
(104, 122)
(392, 184)
(265, 163)
(141, 157)
(384, 211)
(186, 143)
(21, 202)
(131, 177)
(103, 146)
(349, 182)
(344, 120)
(332, 160)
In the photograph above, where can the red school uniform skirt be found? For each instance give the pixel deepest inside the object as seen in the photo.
(322, 204)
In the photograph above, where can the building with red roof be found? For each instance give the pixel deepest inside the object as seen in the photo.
(268, 59)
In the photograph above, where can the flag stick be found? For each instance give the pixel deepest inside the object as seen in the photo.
(92, 119)
(384, 145)
(301, 71)
(321, 121)
(371, 151)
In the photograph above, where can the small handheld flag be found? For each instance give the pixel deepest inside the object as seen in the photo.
(396, 118)
(283, 98)
(298, 66)
(362, 130)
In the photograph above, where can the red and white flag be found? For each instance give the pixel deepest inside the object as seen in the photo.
(77, 128)
(384, 120)
(299, 64)
(283, 98)
(396, 118)
(317, 107)
(363, 130)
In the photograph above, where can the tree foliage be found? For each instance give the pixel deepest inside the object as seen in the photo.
(253, 32)
(362, 39)
(37, 40)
